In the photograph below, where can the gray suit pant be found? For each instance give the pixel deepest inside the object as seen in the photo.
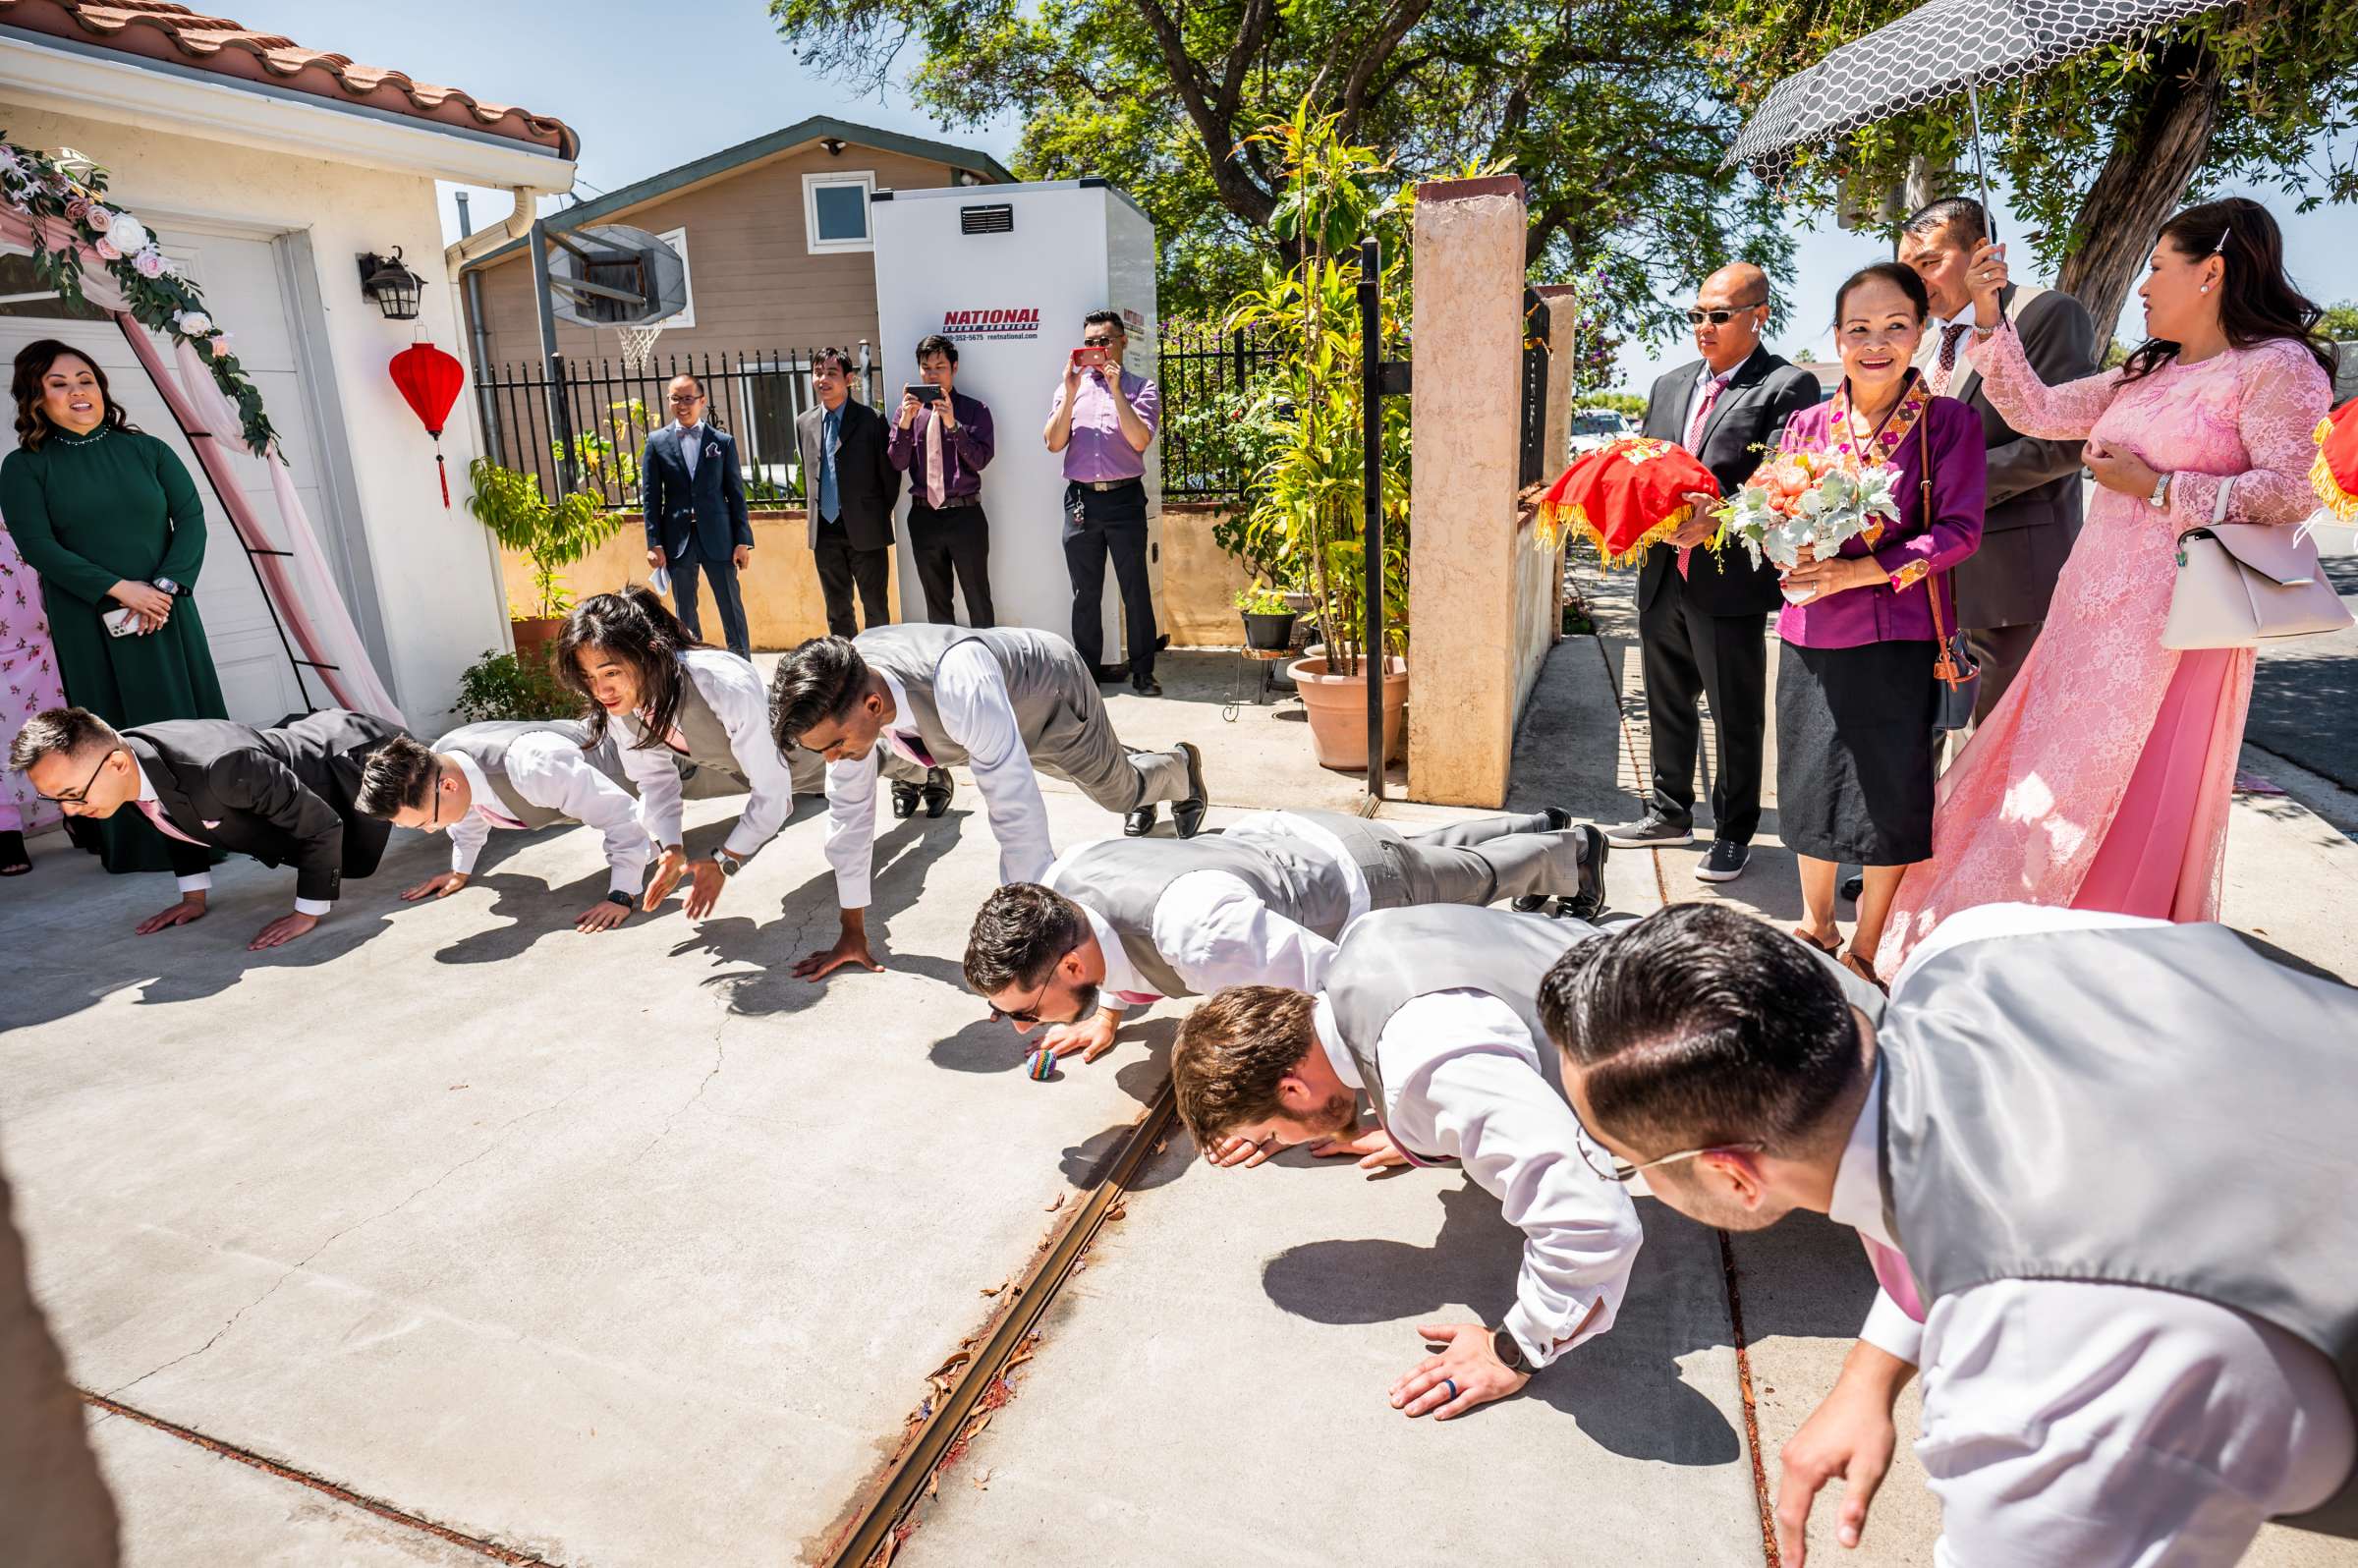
(1080, 745)
(1475, 862)
(809, 768)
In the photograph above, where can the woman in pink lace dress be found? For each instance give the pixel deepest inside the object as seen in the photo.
(27, 684)
(2101, 780)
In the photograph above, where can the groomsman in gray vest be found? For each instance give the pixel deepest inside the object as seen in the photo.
(519, 776)
(1124, 922)
(1429, 1012)
(2103, 1170)
(1006, 702)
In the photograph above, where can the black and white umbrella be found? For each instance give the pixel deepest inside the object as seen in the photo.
(1934, 51)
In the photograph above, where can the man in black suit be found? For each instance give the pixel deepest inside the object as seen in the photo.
(851, 486)
(695, 498)
(2034, 508)
(279, 795)
(1702, 616)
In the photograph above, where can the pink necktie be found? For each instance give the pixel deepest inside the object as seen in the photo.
(1137, 998)
(494, 818)
(1891, 1272)
(935, 495)
(155, 813)
(1946, 365)
(915, 746)
(1694, 444)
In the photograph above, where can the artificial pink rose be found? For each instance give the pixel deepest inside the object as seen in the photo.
(78, 207)
(107, 252)
(98, 216)
(148, 264)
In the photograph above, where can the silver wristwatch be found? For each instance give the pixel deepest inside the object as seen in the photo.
(2161, 496)
(729, 863)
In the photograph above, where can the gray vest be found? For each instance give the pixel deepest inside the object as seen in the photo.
(486, 746)
(1045, 679)
(2168, 1107)
(1124, 878)
(708, 749)
(1392, 957)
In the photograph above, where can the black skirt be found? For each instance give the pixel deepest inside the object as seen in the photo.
(1854, 753)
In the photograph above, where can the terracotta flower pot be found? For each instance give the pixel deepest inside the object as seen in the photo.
(534, 633)
(1338, 705)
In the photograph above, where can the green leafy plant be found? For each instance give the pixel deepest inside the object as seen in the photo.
(552, 535)
(615, 458)
(510, 685)
(1306, 521)
(1262, 600)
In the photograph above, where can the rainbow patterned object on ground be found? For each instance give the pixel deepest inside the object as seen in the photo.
(1041, 1065)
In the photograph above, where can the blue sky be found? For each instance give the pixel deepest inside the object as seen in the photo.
(650, 89)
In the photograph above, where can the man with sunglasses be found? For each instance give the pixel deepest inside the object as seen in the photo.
(694, 497)
(284, 793)
(1102, 420)
(1430, 1013)
(519, 776)
(1703, 615)
(2101, 1167)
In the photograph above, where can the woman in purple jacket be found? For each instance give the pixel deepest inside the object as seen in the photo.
(1855, 700)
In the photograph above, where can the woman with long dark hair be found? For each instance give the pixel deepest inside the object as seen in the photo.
(2101, 779)
(110, 521)
(693, 721)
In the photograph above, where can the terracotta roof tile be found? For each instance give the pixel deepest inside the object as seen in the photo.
(158, 29)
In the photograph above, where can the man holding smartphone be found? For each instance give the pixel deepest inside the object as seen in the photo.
(1103, 421)
(942, 440)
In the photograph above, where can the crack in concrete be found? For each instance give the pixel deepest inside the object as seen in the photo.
(498, 1137)
(720, 1055)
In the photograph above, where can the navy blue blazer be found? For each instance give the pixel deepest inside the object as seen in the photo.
(708, 509)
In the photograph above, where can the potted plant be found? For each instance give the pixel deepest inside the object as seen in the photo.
(1308, 501)
(513, 686)
(552, 535)
(1269, 619)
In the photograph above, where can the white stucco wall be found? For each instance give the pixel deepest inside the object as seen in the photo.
(435, 575)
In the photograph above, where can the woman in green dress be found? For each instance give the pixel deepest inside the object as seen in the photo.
(110, 521)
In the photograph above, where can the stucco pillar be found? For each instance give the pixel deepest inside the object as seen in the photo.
(1563, 343)
(1464, 575)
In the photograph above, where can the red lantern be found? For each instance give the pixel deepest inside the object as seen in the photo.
(1624, 497)
(431, 380)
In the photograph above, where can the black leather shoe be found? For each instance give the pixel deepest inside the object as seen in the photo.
(1111, 674)
(1588, 902)
(1146, 686)
(1139, 824)
(1188, 815)
(937, 790)
(904, 800)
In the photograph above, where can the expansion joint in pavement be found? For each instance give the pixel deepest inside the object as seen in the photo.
(343, 1495)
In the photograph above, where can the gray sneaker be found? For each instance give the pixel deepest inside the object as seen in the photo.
(1652, 831)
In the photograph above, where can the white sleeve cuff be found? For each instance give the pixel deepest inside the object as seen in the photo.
(197, 883)
(314, 907)
(1891, 1330)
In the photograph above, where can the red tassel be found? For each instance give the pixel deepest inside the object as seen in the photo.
(444, 471)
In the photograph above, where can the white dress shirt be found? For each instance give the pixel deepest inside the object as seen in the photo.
(1214, 929)
(970, 692)
(691, 444)
(1462, 1078)
(551, 771)
(202, 882)
(734, 692)
(2075, 1424)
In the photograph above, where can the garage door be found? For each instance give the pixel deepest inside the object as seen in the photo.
(244, 290)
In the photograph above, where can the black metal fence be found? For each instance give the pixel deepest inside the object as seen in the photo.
(1197, 365)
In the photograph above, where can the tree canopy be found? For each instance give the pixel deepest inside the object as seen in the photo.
(1603, 108)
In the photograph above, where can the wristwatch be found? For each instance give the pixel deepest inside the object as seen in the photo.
(615, 895)
(729, 863)
(2161, 496)
(1508, 1349)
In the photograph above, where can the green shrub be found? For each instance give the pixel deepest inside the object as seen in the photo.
(1262, 599)
(505, 685)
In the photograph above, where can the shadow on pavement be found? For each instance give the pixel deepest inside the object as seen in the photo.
(1624, 1387)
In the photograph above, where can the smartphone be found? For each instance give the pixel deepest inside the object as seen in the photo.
(922, 392)
(121, 622)
(1091, 357)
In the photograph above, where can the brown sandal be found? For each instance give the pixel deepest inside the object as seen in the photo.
(1833, 949)
(1862, 970)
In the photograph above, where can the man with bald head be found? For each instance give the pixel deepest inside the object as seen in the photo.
(1702, 618)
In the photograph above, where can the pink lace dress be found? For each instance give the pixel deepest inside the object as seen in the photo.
(2101, 780)
(27, 684)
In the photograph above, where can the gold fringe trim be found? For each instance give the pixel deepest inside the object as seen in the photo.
(1557, 519)
(2339, 501)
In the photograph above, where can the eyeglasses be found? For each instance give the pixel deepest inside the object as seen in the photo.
(1720, 318)
(679, 398)
(1621, 1170)
(81, 796)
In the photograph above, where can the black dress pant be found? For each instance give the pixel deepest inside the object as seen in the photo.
(955, 539)
(1687, 654)
(840, 567)
(1099, 524)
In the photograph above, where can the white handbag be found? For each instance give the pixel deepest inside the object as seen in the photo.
(2243, 584)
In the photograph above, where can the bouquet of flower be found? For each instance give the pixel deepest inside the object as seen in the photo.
(1817, 499)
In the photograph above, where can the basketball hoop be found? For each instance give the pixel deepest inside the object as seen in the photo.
(639, 345)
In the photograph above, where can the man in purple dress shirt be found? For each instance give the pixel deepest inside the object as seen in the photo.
(944, 447)
(1103, 421)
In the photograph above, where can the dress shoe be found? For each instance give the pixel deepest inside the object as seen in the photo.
(1588, 902)
(1653, 830)
(1111, 674)
(1146, 686)
(1188, 815)
(904, 800)
(1140, 822)
(937, 790)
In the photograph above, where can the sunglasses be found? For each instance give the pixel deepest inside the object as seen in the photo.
(1029, 1013)
(1719, 318)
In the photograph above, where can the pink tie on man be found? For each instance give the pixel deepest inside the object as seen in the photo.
(1946, 364)
(498, 820)
(1137, 998)
(1891, 1272)
(936, 494)
(1694, 444)
(155, 813)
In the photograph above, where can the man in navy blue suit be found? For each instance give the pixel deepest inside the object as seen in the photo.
(696, 519)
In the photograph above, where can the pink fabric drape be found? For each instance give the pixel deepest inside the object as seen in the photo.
(298, 584)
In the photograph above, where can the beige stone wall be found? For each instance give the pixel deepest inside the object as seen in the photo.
(783, 605)
(1480, 596)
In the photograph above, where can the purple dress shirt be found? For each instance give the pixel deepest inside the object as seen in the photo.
(965, 451)
(1098, 450)
(1960, 481)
